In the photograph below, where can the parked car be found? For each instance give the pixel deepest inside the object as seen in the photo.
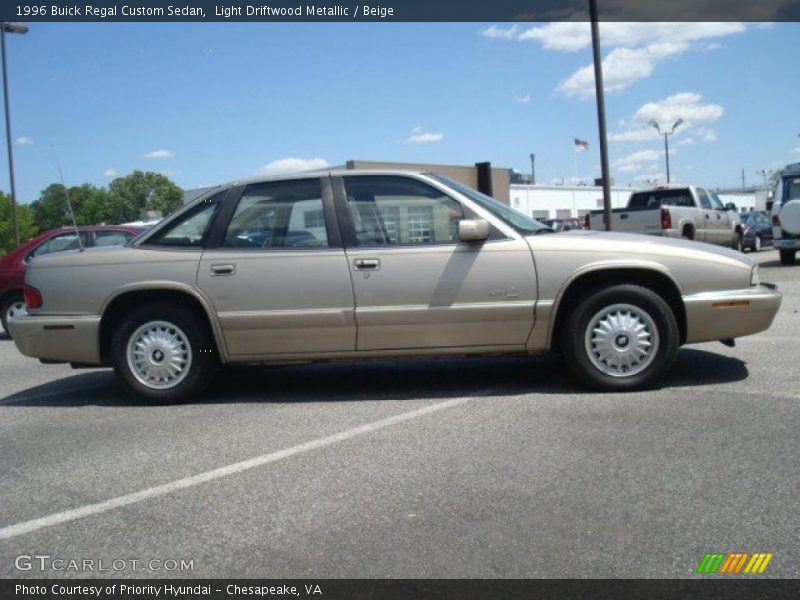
(559, 225)
(756, 230)
(786, 214)
(392, 263)
(14, 264)
(688, 212)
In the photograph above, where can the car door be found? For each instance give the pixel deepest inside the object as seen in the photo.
(416, 285)
(277, 273)
(723, 229)
(709, 232)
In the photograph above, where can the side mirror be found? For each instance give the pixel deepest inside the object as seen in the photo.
(473, 230)
(731, 206)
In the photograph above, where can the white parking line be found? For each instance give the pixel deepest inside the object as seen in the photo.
(245, 465)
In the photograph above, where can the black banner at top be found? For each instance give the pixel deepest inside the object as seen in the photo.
(398, 10)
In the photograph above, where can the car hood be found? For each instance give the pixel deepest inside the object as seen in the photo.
(631, 244)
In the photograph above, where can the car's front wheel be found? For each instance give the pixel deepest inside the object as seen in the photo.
(164, 353)
(757, 243)
(619, 338)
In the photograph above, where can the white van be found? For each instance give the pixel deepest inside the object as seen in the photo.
(786, 214)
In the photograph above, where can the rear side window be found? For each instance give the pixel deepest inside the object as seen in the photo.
(659, 198)
(191, 228)
(792, 189)
(279, 214)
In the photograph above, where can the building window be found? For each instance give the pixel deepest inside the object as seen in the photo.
(314, 218)
(420, 224)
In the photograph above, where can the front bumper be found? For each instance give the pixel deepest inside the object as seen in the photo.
(730, 314)
(783, 244)
(59, 339)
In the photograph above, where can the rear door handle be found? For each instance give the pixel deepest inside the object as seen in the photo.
(223, 269)
(367, 264)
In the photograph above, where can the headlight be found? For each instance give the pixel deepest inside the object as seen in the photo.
(754, 280)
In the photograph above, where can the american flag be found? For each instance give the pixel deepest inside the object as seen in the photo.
(581, 145)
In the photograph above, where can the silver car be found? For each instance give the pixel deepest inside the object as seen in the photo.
(357, 264)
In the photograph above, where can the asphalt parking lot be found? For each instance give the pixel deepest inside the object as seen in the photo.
(483, 467)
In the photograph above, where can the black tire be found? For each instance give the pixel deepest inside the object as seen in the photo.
(14, 298)
(647, 304)
(194, 334)
(787, 257)
(688, 233)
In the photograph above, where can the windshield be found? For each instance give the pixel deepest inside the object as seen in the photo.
(507, 214)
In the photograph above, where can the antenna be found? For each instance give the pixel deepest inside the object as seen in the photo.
(69, 204)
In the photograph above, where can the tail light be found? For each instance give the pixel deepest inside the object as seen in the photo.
(587, 223)
(775, 220)
(33, 297)
(666, 219)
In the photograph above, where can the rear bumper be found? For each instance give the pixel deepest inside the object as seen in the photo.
(61, 339)
(730, 314)
(787, 244)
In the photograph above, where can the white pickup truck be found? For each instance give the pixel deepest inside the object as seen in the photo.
(689, 212)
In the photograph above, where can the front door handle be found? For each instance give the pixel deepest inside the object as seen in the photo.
(367, 264)
(228, 269)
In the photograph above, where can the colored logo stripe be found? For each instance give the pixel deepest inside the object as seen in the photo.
(733, 562)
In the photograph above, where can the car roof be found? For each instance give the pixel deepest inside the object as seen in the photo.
(322, 173)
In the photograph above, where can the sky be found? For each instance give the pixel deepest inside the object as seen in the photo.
(212, 102)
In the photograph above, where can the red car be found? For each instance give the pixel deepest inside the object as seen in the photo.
(14, 264)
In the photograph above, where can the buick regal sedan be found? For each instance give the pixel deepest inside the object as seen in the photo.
(366, 264)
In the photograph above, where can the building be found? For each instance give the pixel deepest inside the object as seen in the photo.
(562, 202)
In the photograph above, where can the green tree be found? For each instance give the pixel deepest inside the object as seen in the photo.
(50, 209)
(91, 204)
(140, 191)
(27, 228)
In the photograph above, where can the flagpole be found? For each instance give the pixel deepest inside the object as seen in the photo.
(574, 173)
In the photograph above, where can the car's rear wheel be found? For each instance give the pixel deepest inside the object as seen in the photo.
(13, 306)
(620, 338)
(164, 353)
(787, 257)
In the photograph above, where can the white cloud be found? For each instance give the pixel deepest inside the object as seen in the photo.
(292, 165)
(633, 162)
(635, 48)
(685, 142)
(110, 173)
(24, 141)
(796, 150)
(713, 46)
(522, 99)
(159, 154)
(418, 136)
(499, 33)
(685, 105)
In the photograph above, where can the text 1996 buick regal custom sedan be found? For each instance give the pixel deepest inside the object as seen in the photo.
(356, 264)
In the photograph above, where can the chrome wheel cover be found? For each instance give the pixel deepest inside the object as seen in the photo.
(159, 355)
(17, 309)
(621, 340)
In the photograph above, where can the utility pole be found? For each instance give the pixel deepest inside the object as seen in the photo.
(21, 29)
(601, 113)
(666, 134)
(744, 185)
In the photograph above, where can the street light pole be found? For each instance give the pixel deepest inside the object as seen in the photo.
(601, 113)
(666, 135)
(21, 29)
